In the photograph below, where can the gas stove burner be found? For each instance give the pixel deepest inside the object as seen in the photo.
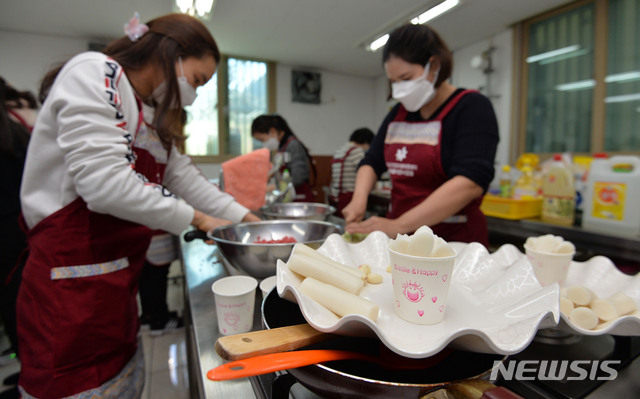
(556, 336)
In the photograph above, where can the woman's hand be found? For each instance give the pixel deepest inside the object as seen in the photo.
(365, 180)
(204, 222)
(353, 212)
(390, 227)
(250, 217)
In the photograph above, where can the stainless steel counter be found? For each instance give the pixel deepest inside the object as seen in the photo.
(588, 243)
(202, 267)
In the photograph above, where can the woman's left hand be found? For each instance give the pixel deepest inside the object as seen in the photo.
(205, 222)
(251, 217)
(390, 227)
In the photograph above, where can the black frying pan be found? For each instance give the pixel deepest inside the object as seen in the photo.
(357, 379)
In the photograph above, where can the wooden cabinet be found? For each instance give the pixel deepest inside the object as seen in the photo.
(323, 176)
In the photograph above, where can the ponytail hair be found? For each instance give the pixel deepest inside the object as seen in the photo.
(168, 38)
(14, 137)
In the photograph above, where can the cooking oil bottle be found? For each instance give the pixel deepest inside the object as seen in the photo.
(525, 186)
(506, 185)
(558, 193)
(613, 186)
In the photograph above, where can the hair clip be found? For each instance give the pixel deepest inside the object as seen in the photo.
(134, 29)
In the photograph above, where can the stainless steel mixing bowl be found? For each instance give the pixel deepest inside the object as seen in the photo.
(298, 210)
(237, 245)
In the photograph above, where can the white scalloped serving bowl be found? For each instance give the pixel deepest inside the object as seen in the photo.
(601, 276)
(495, 303)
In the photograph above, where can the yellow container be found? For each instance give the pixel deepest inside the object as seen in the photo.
(509, 208)
(613, 187)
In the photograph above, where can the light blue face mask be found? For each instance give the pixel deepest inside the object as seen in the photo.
(187, 92)
(272, 144)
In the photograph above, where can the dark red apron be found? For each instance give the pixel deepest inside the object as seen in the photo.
(20, 119)
(303, 190)
(77, 309)
(344, 197)
(413, 157)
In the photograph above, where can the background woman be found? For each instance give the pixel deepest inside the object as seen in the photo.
(102, 173)
(344, 166)
(438, 145)
(276, 135)
(18, 110)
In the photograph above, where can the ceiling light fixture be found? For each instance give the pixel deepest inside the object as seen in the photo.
(196, 8)
(379, 42)
(435, 11)
(422, 18)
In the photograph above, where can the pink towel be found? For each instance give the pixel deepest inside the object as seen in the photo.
(245, 178)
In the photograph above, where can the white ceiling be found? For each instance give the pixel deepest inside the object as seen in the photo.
(316, 34)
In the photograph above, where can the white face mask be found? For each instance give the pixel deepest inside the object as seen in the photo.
(187, 92)
(413, 94)
(272, 144)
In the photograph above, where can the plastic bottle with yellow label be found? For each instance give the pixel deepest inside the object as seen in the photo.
(506, 185)
(526, 186)
(613, 187)
(558, 193)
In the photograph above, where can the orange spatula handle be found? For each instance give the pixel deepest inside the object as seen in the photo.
(272, 362)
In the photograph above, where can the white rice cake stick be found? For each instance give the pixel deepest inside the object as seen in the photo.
(302, 249)
(325, 272)
(401, 243)
(421, 242)
(338, 301)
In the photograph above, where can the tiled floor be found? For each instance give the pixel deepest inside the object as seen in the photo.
(166, 369)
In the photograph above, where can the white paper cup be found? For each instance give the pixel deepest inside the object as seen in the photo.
(549, 267)
(420, 286)
(235, 299)
(267, 285)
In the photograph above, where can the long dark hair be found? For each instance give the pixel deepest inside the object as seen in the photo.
(14, 137)
(169, 37)
(264, 123)
(415, 44)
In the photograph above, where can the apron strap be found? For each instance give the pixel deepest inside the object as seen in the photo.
(20, 119)
(341, 161)
(453, 103)
(402, 111)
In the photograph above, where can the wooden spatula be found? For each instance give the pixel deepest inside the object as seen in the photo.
(282, 339)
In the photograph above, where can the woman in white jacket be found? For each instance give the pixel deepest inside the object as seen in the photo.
(102, 173)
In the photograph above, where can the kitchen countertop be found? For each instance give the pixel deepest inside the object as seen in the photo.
(589, 243)
(202, 266)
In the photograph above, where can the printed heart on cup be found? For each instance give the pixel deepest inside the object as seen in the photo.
(441, 308)
(397, 303)
(420, 313)
(434, 299)
(444, 278)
